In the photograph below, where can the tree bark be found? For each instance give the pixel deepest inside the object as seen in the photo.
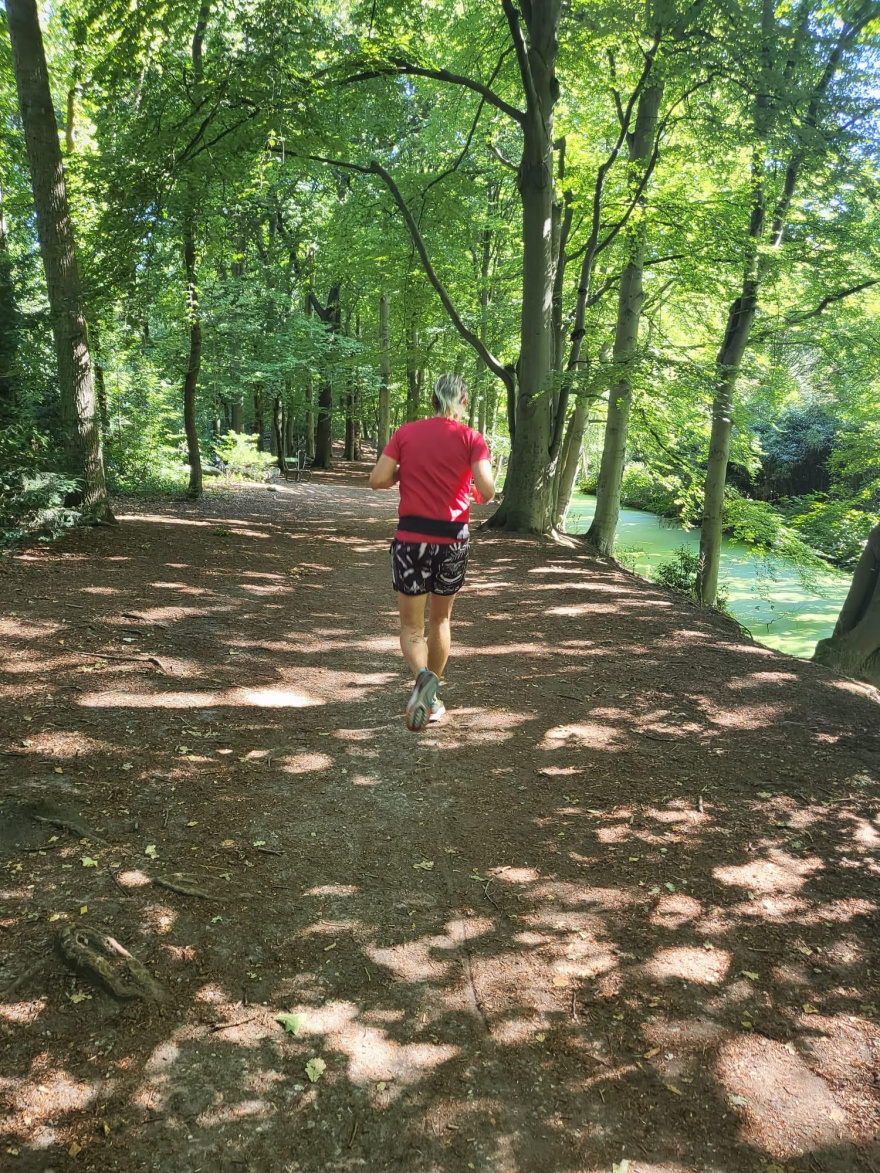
(384, 377)
(603, 528)
(195, 361)
(324, 427)
(413, 374)
(854, 647)
(259, 422)
(82, 438)
(237, 417)
(571, 458)
(8, 321)
(528, 487)
(278, 430)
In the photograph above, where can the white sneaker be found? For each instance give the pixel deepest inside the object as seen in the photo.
(438, 711)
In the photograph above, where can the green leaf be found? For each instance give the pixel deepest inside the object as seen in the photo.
(315, 1068)
(291, 1022)
(88, 862)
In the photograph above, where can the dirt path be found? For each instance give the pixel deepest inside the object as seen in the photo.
(621, 906)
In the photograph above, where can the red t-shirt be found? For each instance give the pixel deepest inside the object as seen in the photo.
(435, 457)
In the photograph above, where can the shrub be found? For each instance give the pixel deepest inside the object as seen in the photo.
(680, 574)
(833, 528)
(31, 496)
(240, 456)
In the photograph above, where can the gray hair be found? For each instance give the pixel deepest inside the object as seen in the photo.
(450, 393)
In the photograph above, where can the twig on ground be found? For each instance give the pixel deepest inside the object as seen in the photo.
(21, 979)
(217, 1026)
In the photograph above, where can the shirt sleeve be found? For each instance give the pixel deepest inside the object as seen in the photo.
(392, 448)
(479, 448)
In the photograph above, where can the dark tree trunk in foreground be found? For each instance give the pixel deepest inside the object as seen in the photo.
(82, 438)
(854, 648)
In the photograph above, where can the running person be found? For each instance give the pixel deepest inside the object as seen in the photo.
(434, 460)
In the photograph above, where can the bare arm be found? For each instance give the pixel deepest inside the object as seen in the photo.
(385, 474)
(483, 479)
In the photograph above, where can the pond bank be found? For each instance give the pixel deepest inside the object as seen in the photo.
(779, 612)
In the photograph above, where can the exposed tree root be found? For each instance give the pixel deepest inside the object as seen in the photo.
(104, 958)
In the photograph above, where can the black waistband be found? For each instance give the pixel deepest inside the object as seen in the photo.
(435, 527)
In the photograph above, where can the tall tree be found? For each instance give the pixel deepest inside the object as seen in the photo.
(785, 65)
(82, 438)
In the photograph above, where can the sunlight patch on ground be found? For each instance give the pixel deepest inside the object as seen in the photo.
(372, 1057)
(689, 963)
(261, 698)
(333, 890)
(305, 763)
(23, 1012)
(782, 873)
(41, 1098)
(671, 912)
(589, 735)
(788, 1110)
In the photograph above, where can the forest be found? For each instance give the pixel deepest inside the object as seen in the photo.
(646, 234)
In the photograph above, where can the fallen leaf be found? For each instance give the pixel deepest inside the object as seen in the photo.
(291, 1022)
(257, 842)
(669, 887)
(623, 1166)
(74, 1150)
(650, 1054)
(634, 858)
(84, 908)
(560, 979)
(540, 1037)
(194, 823)
(315, 1068)
(88, 862)
(426, 865)
(809, 1008)
(150, 850)
(750, 974)
(327, 948)
(380, 1087)
(675, 1090)
(80, 997)
(737, 1101)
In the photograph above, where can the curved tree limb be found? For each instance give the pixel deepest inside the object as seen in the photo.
(400, 66)
(478, 345)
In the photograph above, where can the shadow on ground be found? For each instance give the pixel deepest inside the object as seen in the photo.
(620, 906)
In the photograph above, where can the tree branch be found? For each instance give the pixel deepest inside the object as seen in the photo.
(469, 336)
(400, 66)
(522, 55)
(831, 299)
(501, 159)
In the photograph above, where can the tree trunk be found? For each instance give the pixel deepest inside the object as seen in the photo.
(385, 378)
(81, 432)
(278, 432)
(237, 417)
(603, 529)
(259, 423)
(854, 647)
(288, 434)
(8, 321)
(412, 370)
(324, 427)
(310, 398)
(528, 487)
(195, 361)
(571, 459)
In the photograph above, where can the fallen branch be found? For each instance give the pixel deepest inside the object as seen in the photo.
(108, 656)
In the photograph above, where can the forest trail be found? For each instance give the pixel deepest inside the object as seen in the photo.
(621, 906)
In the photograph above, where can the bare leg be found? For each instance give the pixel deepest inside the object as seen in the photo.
(412, 631)
(439, 632)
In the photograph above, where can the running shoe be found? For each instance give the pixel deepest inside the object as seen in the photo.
(418, 707)
(438, 710)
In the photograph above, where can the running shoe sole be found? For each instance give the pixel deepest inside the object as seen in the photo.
(418, 708)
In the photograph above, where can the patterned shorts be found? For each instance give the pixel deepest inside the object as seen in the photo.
(422, 568)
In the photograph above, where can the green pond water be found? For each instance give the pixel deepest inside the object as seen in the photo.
(779, 612)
